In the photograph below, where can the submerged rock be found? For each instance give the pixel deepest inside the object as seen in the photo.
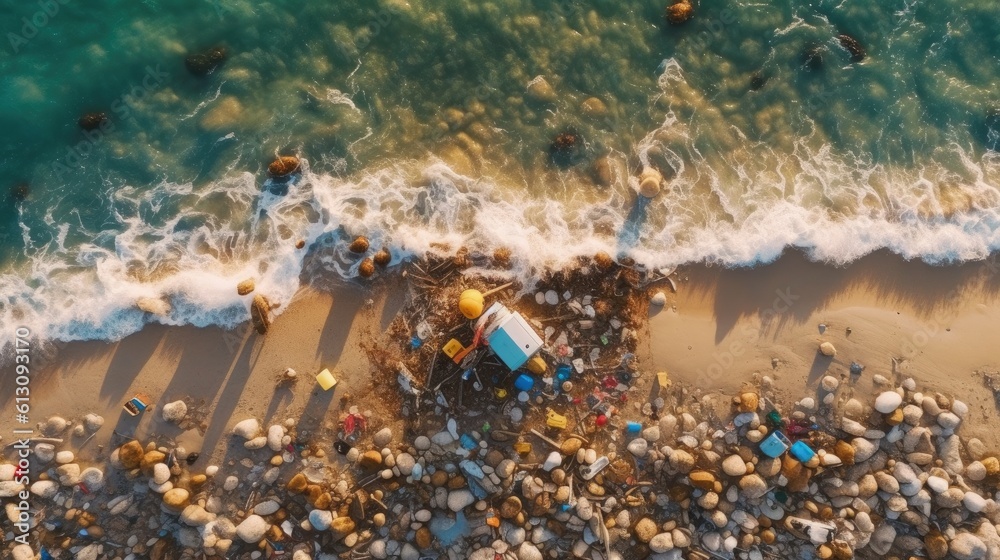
(540, 91)
(92, 121)
(205, 62)
(852, 46)
(679, 13)
(758, 80)
(812, 58)
(564, 148)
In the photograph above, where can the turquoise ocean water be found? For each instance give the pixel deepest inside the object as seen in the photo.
(427, 125)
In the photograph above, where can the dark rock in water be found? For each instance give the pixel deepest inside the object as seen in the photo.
(203, 63)
(758, 80)
(854, 47)
(191, 458)
(283, 166)
(679, 13)
(19, 192)
(564, 148)
(92, 121)
(812, 58)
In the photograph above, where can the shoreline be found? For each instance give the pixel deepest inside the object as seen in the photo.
(720, 328)
(737, 345)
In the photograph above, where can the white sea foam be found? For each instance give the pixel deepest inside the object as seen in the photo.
(736, 203)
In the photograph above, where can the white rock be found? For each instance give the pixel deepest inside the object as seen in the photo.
(247, 429)
(274, 435)
(253, 528)
(405, 463)
(974, 502)
(10, 488)
(22, 552)
(93, 422)
(638, 447)
(174, 412)
(64, 457)
(382, 437)
(888, 401)
(959, 408)
(44, 488)
(659, 299)
(661, 543)
(460, 499)
(231, 483)
(948, 420)
(552, 461)
(161, 473)
(92, 478)
(528, 551)
(320, 519)
(830, 383)
(937, 484)
(863, 449)
(827, 349)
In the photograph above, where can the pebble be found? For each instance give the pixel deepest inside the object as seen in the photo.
(320, 519)
(888, 401)
(460, 499)
(174, 412)
(734, 465)
(247, 429)
(252, 529)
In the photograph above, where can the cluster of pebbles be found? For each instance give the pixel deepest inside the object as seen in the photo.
(890, 477)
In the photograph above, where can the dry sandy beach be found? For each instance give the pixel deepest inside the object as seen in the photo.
(716, 332)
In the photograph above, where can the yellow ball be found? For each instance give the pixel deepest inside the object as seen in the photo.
(471, 303)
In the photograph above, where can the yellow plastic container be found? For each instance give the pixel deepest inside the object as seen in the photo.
(471, 303)
(523, 448)
(555, 420)
(663, 379)
(452, 347)
(537, 365)
(326, 380)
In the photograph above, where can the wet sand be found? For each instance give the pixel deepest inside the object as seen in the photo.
(938, 323)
